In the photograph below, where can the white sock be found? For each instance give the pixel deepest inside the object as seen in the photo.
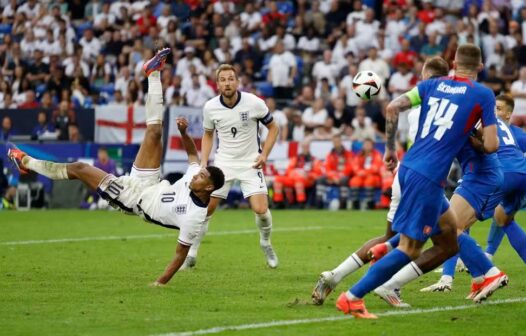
(492, 272)
(264, 223)
(350, 265)
(154, 99)
(195, 246)
(408, 273)
(447, 279)
(478, 280)
(350, 296)
(52, 170)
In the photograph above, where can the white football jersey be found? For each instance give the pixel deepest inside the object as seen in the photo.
(173, 205)
(237, 128)
(412, 118)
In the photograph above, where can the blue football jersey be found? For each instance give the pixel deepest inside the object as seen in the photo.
(450, 108)
(473, 161)
(510, 155)
(520, 136)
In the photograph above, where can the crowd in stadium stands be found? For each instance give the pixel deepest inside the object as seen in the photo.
(299, 55)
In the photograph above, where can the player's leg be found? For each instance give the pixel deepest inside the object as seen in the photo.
(89, 175)
(444, 247)
(259, 204)
(513, 231)
(150, 152)
(495, 236)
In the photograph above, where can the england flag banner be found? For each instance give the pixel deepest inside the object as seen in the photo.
(120, 124)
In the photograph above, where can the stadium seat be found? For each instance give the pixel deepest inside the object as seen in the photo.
(265, 88)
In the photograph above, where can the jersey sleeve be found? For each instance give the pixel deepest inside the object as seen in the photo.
(193, 168)
(488, 108)
(520, 137)
(207, 122)
(189, 231)
(262, 113)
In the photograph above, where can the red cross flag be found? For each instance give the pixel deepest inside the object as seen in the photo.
(122, 124)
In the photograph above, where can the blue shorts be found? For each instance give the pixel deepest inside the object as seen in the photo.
(482, 191)
(422, 202)
(514, 188)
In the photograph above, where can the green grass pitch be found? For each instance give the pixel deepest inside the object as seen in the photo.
(100, 286)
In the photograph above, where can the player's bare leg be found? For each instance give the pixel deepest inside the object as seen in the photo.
(330, 279)
(259, 204)
(91, 176)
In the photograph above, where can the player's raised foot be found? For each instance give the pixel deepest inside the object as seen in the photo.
(392, 297)
(475, 289)
(189, 262)
(156, 63)
(324, 287)
(441, 286)
(16, 155)
(355, 308)
(272, 258)
(376, 252)
(490, 285)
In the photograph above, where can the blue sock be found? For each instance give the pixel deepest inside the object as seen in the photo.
(517, 238)
(450, 266)
(495, 235)
(473, 256)
(394, 241)
(380, 272)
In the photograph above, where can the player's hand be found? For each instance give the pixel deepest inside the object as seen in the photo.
(157, 284)
(260, 161)
(182, 124)
(390, 159)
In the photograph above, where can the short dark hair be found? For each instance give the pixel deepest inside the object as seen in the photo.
(508, 100)
(216, 176)
(437, 66)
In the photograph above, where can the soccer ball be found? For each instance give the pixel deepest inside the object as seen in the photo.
(366, 84)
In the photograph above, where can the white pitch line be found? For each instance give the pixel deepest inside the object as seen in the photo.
(158, 235)
(400, 312)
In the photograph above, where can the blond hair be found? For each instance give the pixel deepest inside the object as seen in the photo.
(225, 67)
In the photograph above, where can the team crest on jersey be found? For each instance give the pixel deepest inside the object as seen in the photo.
(243, 116)
(180, 209)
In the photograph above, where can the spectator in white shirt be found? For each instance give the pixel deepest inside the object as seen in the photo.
(325, 69)
(375, 64)
(90, 45)
(490, 40)
(165, 17)
(309, 43)
(183, 66)
(223, 53)
(518, 92)
(250, 19)
(366, 30)
(282, 70)
(49, 45)
(394, 29)
(28, 44)
(439, 23)
(315, 116)
(31, 8)
(123, 79)
(104, 18)
(362, 126)
(197, 95)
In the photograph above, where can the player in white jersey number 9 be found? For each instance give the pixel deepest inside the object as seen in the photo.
(236, 117)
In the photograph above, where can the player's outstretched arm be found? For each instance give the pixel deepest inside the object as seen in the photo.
(273, 132)
(490, 138)
(180, 255)
(188, 142)
(206, 146)
(393, 110)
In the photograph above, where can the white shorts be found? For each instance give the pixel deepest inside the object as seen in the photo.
(395, 198)
(252, 181)
(124, 192)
